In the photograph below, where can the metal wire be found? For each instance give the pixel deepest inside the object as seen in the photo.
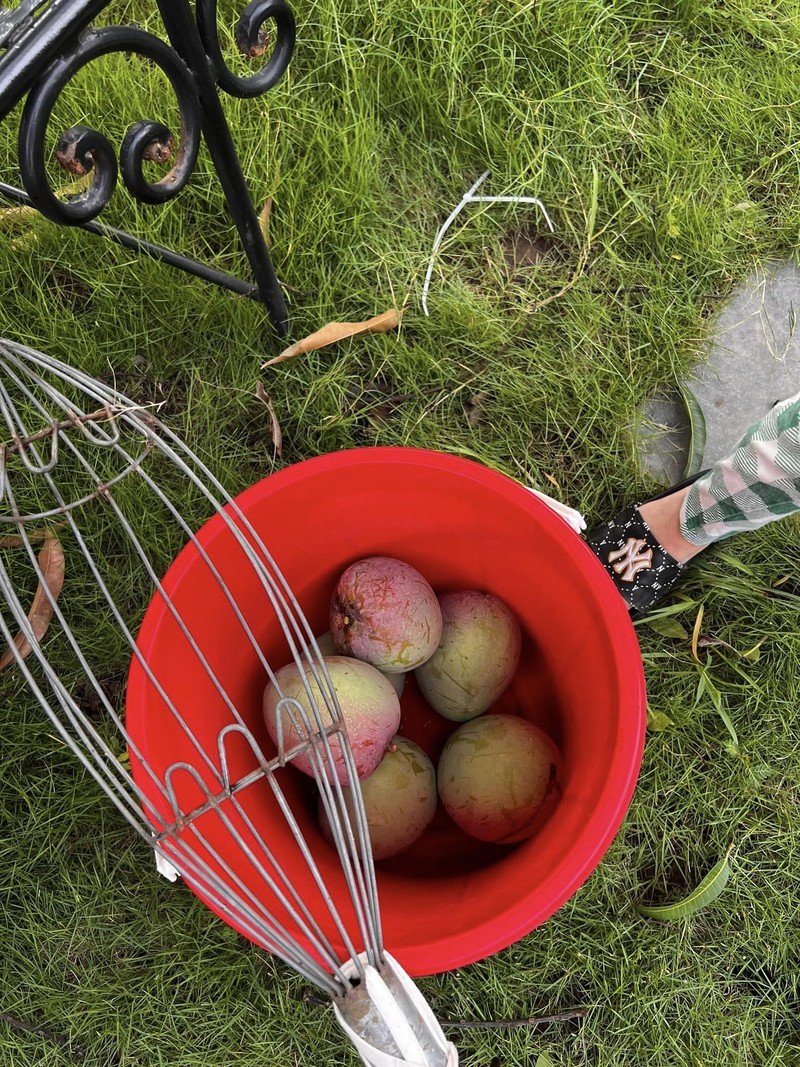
(78, 446)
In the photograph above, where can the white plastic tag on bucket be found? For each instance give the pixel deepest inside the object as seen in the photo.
(165, 868)
(389, 1022)
(568, 514)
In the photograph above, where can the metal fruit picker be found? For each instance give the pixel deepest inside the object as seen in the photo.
(85, 473)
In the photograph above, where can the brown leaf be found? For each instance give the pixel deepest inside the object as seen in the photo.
(18, 216)
(752, 654)
(339, 331)
(475, 409)
(263, 220)
(51, 564)
(274, 425)
(17, 541)
(713, 642)
(698, 622)
(11, 541)
(380, 414)
(12, 218)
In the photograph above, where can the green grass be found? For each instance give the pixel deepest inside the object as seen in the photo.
(663, 140)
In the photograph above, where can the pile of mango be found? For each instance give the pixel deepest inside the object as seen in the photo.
(464, 647)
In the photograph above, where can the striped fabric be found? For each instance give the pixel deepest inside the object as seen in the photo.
(758, 483)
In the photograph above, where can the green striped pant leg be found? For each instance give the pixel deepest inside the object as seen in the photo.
(758, 483)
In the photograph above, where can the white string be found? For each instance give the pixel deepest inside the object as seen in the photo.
(467, 198)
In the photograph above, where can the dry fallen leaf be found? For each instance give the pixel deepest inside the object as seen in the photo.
(339, 331)
(380, 414)
(18, 216)
(51, 563)
(263, 220)
(274, 425)
(476, 409)
(17, 541)
(698, 622)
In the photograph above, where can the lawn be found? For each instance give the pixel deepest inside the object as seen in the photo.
(663, 140)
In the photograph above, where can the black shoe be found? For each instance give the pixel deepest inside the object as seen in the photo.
(639, 567)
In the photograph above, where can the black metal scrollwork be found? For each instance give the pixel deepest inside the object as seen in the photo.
(82, 150)
(251, 41)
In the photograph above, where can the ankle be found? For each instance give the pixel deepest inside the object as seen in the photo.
(663, 517)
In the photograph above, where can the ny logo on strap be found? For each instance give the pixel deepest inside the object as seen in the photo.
(631, 558)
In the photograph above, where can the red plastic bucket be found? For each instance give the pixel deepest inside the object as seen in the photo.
(450, 900)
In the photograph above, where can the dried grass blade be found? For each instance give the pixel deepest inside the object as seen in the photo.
(274, 425)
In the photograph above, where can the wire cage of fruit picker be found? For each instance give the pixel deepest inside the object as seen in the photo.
(97, 498)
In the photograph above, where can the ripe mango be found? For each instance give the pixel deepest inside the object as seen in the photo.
(399, 799)
(369, 705)
(327, 647)
(385, 613)
(477, 656)
(494, 775)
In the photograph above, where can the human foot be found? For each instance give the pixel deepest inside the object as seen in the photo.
(643, 550)
(663, 516)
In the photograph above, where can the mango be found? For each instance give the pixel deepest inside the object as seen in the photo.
(328, 648)
(326, 645)
(494, 775)
(477, 656)
(399, 799)
(396, 681)
(385, 613)
(369, 705)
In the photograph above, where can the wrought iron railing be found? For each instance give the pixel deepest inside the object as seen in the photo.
(45, 43)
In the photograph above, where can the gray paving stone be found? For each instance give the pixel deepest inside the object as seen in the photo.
(753, 361)
(664, 437)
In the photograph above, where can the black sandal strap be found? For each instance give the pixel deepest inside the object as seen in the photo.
(639, 567)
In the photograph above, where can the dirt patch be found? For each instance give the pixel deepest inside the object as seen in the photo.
(525, 248)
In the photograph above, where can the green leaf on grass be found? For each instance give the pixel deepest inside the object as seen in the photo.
(707, 892)
(697, 432)
(737, 564)
(705, 685)
(544, 1060)
(658, 721)
(701, 687)
(667, 627)
(754, 654)
(729, 727)
(716, 699)
(673, 609)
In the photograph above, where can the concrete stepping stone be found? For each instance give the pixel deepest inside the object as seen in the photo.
(753, 361)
